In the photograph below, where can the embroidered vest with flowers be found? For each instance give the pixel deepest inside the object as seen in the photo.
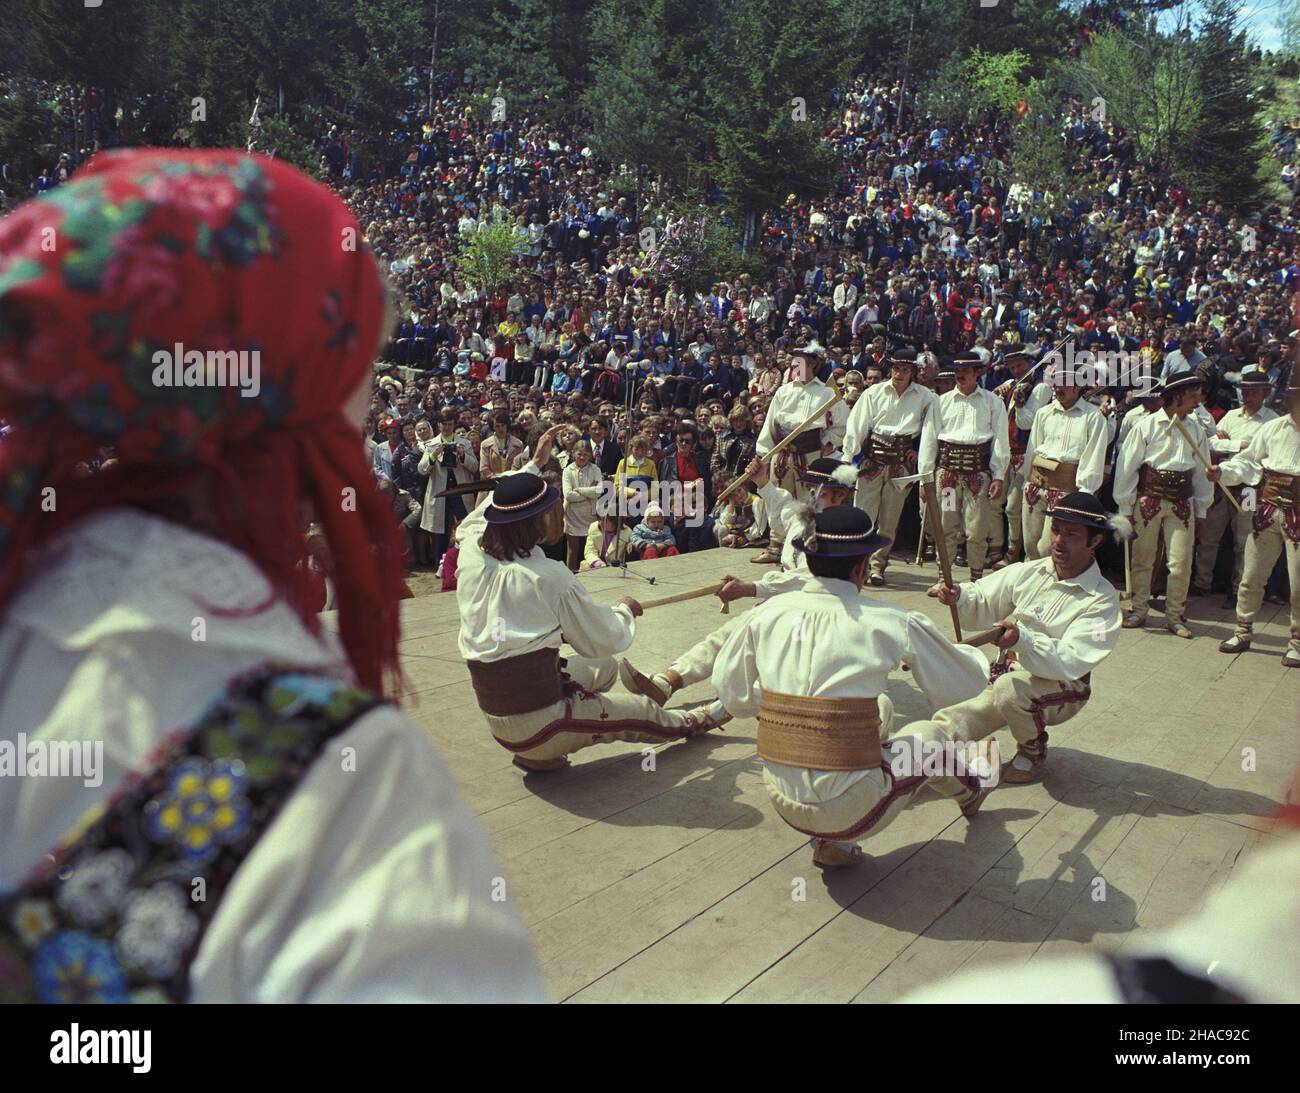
(118, 911)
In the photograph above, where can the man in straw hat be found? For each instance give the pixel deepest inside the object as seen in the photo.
(516, 608)
(792, 405)
(883, 435)
(965, 439)
(1233, 434)
(1272, 459)
(833, 483)
(1059, 619)
(1161, 485)
(812, 665)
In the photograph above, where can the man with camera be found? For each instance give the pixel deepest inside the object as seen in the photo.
(446, 459)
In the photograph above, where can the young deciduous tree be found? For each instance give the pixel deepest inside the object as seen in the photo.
(487, 256)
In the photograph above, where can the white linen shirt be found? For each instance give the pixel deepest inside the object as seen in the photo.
(1067, 627)
(372, 885)
(883, 410)
(792, 405)
(511, 608)
(1236, 425)
(966, 419)
(1156, 441)
(1078, 435)
(1275, 446)
(828, 641)
(794, 571)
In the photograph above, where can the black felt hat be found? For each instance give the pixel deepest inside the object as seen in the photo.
(1254, 376)
(830, 472)
(842, 532)
(1181, 381)
(518, 497)
(1081, 508)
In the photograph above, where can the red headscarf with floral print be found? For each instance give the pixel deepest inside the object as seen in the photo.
(216, 251)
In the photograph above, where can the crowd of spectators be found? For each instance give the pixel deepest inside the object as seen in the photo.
(924, 245)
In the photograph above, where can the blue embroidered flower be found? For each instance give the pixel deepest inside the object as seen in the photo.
(202, 809)
(318, 690)
(74, 967)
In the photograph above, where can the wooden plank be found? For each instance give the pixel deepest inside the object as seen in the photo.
(678, 884)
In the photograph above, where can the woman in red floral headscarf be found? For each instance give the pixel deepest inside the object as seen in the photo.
(212, 317)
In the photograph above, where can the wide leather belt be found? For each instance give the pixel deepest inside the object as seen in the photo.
(889, 450)
(965, 458)
(1171, 485)
(517, 685)
(1052, 474)
(1282, 490)
(810, 440)
(819, 733)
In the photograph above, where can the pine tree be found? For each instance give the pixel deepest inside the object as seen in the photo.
(1227, 149)
(769, 85)
(639, 100)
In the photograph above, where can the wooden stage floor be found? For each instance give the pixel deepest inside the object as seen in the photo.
(680, 884)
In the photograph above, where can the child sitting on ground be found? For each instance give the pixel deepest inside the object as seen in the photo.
(650, 538)
(736, 526)
(607, 542)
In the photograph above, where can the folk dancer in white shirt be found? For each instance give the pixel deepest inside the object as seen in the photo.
(1060, 619)
(1066, 453)
(834, 482)
(812, 666)
(1161, 485)
(1022, 400)
(1231, 437)
(882, 436)
(517, 606)
(791, 406)
(965, 437)
(1273, 461)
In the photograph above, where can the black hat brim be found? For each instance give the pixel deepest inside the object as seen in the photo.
(1088, 520)
(836, 548)
(548, 500)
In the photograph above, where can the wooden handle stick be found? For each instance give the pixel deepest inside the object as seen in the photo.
(1201, 456)
(682, 597)
(941, 547)
(780, 447)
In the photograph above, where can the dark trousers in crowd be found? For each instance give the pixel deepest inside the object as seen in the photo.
(690, 538)
(440, 543)
(574, 546)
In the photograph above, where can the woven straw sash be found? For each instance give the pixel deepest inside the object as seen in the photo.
(1282, 490)
(819, 733)
(1052, 474)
